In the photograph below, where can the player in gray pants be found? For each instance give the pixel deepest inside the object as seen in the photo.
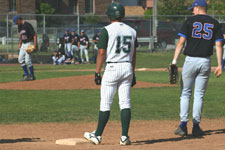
(201, 33)
(27, 37)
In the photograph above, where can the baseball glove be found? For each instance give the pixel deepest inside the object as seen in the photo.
(173, 74)
(30, 48)
(98, 78)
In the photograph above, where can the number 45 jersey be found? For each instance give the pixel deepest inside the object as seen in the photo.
(201, 32)
(119, 41)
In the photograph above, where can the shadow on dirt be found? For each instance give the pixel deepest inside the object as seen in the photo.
(189, 137)
(4, 141)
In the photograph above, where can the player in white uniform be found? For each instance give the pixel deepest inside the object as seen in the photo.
(84, 45)
(117, 45)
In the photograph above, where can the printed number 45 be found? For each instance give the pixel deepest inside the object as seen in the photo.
(198, 28)
(123, 45)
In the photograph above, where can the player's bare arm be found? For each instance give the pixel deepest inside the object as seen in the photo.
(179, 47)
(78, 44)
(35, 40)
(101, 58)
(20, 43)
(86, 44)
(72, 40)
(219, 51)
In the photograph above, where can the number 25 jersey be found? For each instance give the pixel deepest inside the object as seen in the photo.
(119, 41)
(201, 32)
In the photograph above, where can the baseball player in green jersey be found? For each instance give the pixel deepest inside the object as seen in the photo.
(201, 32)
(117, 46)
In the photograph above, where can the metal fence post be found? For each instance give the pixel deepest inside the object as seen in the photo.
(7, 32)
(154, 22)
(151, 42)
(78, 23)
(44, 24)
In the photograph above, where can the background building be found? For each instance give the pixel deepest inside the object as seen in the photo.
(71, 6)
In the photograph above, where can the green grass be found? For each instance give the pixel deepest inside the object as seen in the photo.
(27, 106)
(161, 60)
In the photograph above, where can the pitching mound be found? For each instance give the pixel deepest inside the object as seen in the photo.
(67, 83)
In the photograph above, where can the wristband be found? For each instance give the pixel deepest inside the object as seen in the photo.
(174, 61)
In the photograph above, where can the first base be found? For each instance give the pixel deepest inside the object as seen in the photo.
(71, 141)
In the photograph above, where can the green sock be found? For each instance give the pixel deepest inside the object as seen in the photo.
(125, 120)
(102, 121)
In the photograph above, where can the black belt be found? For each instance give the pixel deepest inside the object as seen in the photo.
(118, 62)
(26, 42)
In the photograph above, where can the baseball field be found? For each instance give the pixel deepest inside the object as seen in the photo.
(63, 102)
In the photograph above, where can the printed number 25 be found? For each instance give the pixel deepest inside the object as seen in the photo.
(125, 44)
(197, 31)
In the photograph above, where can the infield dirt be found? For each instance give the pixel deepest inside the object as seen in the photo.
(145, 135)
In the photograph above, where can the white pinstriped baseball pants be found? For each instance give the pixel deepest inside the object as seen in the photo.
(117, 76)
(196, 71)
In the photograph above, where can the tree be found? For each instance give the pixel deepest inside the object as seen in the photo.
(92, 19)
(148, 13)
(180, 7)
(216, 7)
(44, 8)
(174, 7)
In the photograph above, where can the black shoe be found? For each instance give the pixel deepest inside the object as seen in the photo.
(32, 78)
(182, 131)
(197, 131)
(28, 78)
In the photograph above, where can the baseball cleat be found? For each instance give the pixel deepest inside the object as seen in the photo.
(182, 131)
(26, 78)
(125, 140)
(93, 138)
(32, 78)
(197, 131)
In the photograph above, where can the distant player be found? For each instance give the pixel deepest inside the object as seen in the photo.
(84, 45)
(95, 39)
(76, 45)
(67, 43)
(117, 46)
(201, 32)
(27, 37)
(58, 58)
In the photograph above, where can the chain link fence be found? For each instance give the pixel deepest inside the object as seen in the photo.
(52, 27)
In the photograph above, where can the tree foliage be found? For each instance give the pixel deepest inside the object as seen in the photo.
(148, 13)
(180, 7)
(91, 19)
(216, 7)
(45, 8)
(174, 7)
